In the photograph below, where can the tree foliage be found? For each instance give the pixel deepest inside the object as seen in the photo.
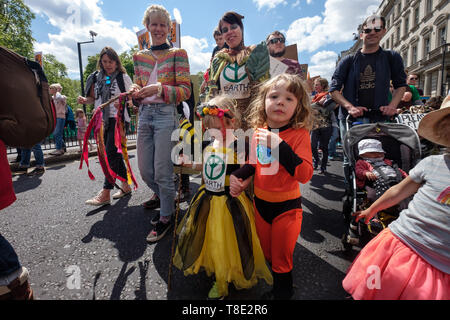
(15, 27)
(56, 72)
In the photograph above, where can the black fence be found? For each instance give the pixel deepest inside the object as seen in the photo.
(70, 137)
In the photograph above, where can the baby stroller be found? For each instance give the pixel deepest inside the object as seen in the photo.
(402, 145)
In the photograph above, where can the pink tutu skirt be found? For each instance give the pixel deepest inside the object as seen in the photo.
(387, 269)
(80, 134)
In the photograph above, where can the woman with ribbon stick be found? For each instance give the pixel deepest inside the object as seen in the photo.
(103, 87)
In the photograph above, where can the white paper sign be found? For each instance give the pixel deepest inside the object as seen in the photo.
(277, 67)
(410, 119)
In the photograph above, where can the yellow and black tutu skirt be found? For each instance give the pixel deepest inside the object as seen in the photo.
(218, 235)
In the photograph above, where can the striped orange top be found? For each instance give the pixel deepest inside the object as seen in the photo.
(173, 73)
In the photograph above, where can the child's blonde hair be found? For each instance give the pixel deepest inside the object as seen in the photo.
(221, 102)
(302, 117)
(79, 110)
(56, 86)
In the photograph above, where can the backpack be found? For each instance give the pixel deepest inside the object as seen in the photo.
(92, 79)
(70, 119)
(27, 114)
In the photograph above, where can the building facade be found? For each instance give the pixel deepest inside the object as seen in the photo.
(418, 30)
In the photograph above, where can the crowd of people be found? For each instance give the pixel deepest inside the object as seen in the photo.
(244, 221)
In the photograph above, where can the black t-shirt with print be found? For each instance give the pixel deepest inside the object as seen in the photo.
(366, 89)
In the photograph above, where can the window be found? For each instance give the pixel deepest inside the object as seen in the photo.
(426, 46)
(414, 54)
(416, 16)
(442, 36)
(406, 26)
(429, 7)
(387, 44)
(399, 9)
(398, 34)
(405, 58)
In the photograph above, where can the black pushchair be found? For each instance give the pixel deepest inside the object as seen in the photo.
(402, 145)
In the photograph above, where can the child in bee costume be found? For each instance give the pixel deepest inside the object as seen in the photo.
(218, 233)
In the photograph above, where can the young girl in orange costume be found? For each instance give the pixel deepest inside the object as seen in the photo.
(280, 158)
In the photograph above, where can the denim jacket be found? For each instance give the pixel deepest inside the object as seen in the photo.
(389, 66)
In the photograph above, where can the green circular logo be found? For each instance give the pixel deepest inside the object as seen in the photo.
(233, 71)
(211, 164)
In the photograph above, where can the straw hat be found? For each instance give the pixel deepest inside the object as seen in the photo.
(431, 120)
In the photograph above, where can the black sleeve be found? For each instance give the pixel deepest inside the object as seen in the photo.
(288, 158)
(245, 172)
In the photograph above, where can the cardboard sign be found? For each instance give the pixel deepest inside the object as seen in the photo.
(38, 58)
(143, 39)
(174, 35)
(410, 119)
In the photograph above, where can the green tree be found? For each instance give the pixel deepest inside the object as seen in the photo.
(15, 27)
(56, 72)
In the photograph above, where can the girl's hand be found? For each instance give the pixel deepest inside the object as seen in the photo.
(366, 214)
(268, 138)
(185, 161)
(237, 185)
(116, 104)
(371, 176)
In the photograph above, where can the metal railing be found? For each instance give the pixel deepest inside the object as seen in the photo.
(70, 137)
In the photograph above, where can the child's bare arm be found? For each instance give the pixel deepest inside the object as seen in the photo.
(390, 198)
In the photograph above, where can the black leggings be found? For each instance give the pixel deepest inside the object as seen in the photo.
(115, 159)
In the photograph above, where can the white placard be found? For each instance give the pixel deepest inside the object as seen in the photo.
(410, 119)
(277, 67)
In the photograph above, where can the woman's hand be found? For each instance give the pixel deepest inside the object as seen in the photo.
(147, 91)
(268, 138)
(82, 100)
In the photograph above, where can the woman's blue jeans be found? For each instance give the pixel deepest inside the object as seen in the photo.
(9, 262)
(26, 156)
(58, 133)
(154, 148)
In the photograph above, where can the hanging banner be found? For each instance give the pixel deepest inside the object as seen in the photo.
(38, 58)
(143, 39)
(174, 35)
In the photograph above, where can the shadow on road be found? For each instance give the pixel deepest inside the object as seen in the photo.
(25, 183)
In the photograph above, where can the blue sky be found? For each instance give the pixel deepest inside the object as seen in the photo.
(321, 28)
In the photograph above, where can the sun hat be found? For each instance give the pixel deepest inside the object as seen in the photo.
(430, 121)
(369, 145)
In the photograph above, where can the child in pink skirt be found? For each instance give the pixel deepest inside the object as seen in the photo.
(81, 128)
(410, 259)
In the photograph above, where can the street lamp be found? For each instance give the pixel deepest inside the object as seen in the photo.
(93, 34)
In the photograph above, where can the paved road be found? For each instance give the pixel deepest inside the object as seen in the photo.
(56, 235)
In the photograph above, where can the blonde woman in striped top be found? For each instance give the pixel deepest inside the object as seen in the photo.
(162, 80)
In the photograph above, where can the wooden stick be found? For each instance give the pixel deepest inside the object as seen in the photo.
(169, 280)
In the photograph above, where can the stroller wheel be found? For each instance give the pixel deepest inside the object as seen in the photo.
(347, 247)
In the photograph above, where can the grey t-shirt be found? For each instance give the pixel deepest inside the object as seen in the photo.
(425, 224)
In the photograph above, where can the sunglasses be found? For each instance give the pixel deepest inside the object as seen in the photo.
(108, 80)
(234, 26)
(369, 30)
(276, 40)
(414, 78)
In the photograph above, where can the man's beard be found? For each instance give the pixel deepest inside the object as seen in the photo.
(278, 54)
